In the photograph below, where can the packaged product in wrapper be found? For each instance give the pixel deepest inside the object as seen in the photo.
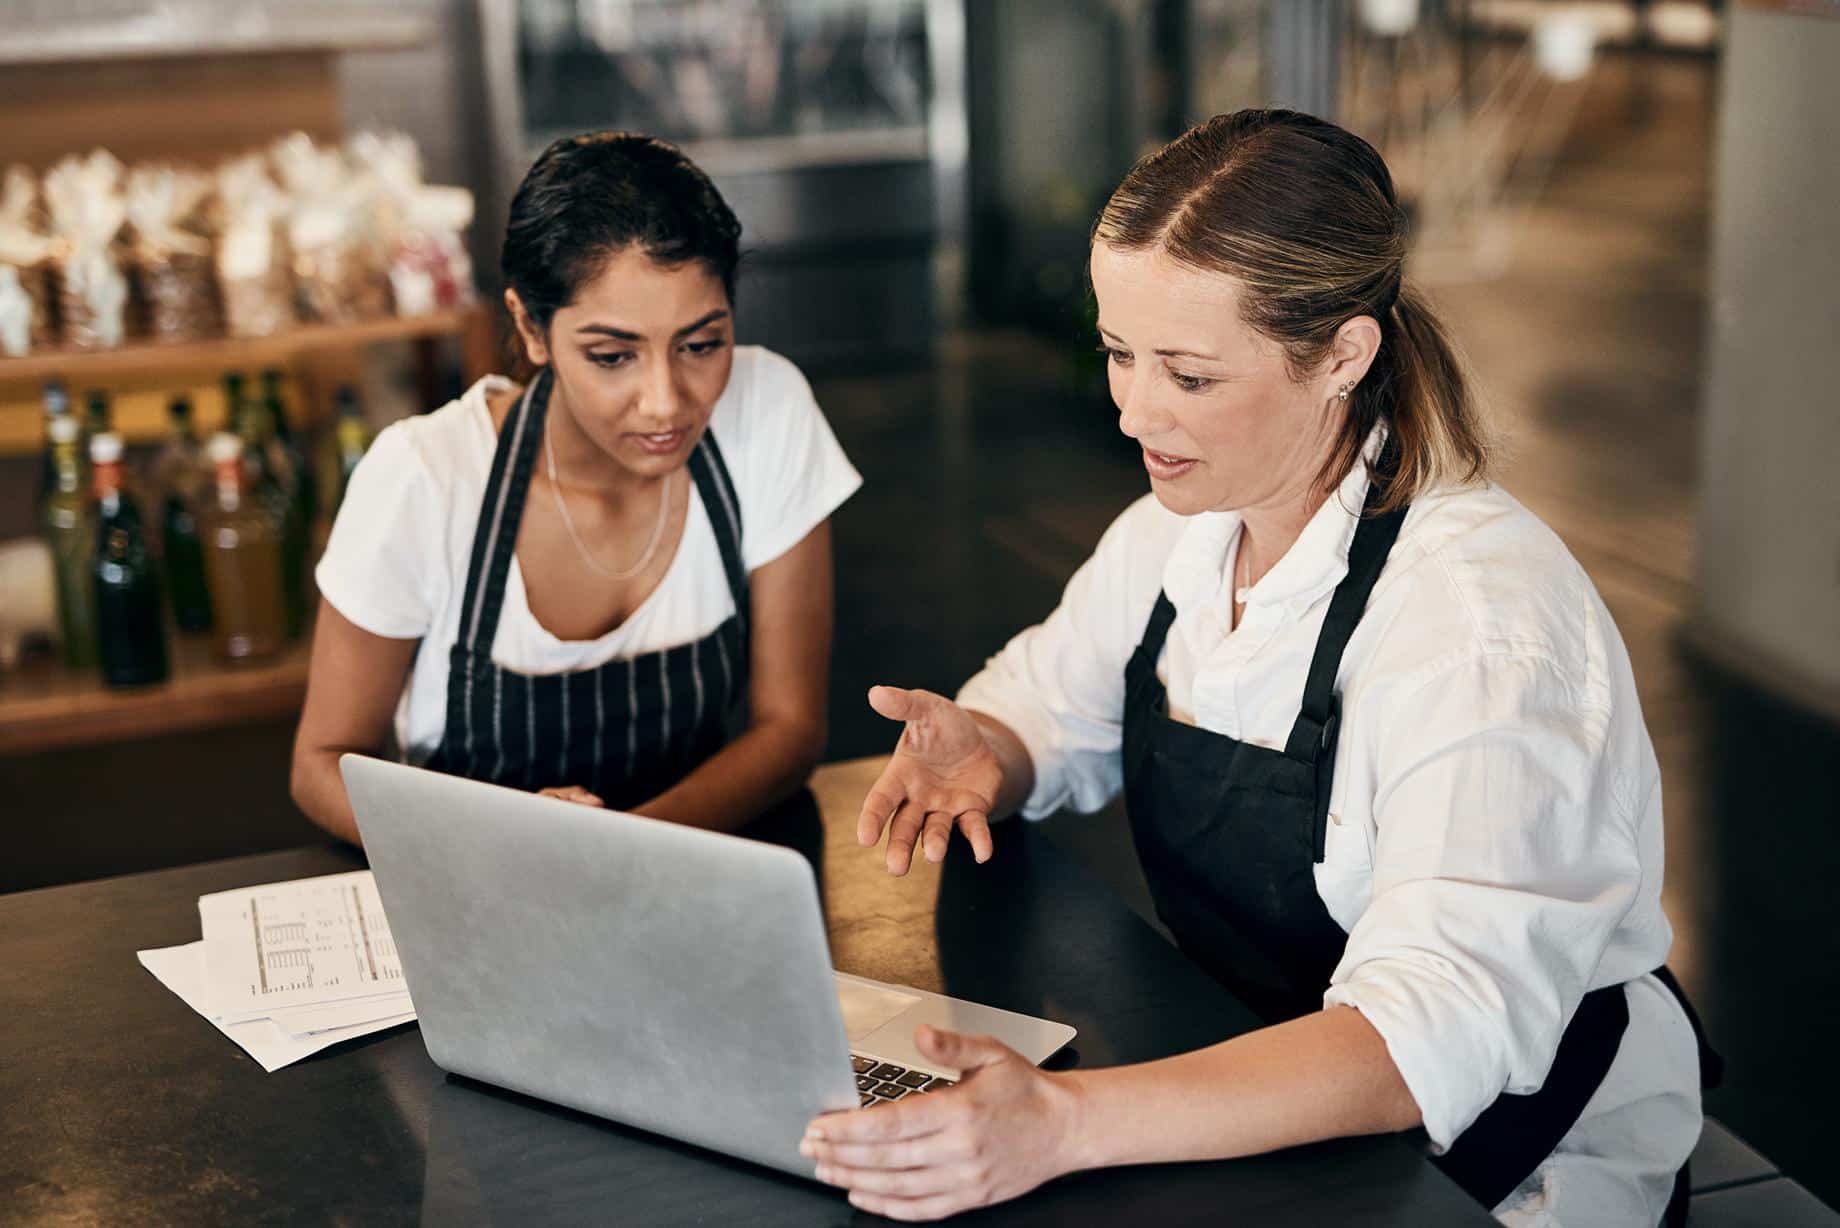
(25, 268)
(333, 229)
(254, 274)
(336, 269)
(83, 196)
(428, 264)
(429, 267)
(172, 263)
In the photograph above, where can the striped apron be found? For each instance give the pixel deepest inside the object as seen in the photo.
(626, 730)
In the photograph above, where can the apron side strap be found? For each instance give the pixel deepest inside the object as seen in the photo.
(1711, 1063)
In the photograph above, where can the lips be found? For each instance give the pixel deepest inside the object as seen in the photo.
(1166, 467)
(662, 443)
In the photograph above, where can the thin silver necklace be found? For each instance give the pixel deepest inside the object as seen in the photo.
(568, 521)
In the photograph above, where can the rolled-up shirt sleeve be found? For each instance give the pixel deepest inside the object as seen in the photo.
(1059, 685)
(1505, 859)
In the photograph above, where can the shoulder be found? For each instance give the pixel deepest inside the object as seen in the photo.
(1129, 562)
(449, 443)
(766, 392)
(1476, 575)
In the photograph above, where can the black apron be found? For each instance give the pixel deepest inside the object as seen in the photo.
(1229, 833)
(626, 730)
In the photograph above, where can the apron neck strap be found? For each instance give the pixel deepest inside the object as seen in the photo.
(717, 490)
(495, 540)
(1373, 541)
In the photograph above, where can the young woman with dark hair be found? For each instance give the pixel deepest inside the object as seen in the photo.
(613, 583)
(1377, 735)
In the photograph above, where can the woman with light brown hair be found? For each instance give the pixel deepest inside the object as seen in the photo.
(1377, 734)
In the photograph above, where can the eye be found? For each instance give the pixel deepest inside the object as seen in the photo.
(613, 358)
(702, 349)
(1113, 354)
(1190, 383)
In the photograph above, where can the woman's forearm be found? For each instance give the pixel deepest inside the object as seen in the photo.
(319, 791)
(765, 765)
(1326, 1075)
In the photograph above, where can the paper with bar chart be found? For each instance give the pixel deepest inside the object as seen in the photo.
(286, 969)
(308, 943)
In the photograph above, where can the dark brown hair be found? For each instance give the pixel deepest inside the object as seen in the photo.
(1303, 215)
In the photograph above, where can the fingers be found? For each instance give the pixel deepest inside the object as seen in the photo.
(572, 793)
(877, 808)
(976, 826)
(902, 832)
(916, 1210)
(935, 835)
(959, 1051)
(942, 1147)
(912, 1117)
(893, 702)
(914, 1182)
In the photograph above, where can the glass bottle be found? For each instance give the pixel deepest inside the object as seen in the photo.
(353, 436)
(180, 478)
(70, 529)
(271, 483)
(96, 416)
(242, 559)
(289, 454)
(57, 405)
(130, 621)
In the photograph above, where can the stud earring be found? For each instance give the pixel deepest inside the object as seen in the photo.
(1346, 388)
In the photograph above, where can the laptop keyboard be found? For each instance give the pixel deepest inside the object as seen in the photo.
(877, 1082)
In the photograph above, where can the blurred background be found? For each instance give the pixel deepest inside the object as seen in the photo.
(1625, 211)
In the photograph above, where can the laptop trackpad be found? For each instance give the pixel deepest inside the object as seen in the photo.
(868, 1007)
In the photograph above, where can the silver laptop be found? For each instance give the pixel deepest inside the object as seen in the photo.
(672, 979)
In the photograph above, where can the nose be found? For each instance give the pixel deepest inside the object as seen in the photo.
(1137, 416)
(659, 396)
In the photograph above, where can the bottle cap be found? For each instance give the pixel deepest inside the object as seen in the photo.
(225, 448)
(346, 398)
(181, 407)
(57, 400)
(105, 448)
(64, 429)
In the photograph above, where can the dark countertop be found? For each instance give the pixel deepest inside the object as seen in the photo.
(119, 1104)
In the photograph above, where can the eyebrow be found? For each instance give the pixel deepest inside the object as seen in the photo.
(621, 334)
(1165, 353)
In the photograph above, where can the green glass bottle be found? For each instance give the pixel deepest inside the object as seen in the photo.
(270, 484)
(70, 528)
(352, 435)
(130, 618)
(97, 419)
(180, 479)
(292, 456)
(57, 405)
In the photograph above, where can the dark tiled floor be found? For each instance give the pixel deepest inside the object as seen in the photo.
(991, 475)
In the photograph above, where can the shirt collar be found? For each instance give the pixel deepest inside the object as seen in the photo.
(1195, 573)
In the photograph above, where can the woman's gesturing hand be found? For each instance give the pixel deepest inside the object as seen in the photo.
(1005, 1129)
(942, 775)
(572, 793)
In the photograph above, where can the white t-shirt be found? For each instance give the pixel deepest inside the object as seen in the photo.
(397, 559)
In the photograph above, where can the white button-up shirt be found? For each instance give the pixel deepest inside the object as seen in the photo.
(1494, 847)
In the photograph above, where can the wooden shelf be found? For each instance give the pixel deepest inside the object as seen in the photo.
(44, 706)
(142, 357)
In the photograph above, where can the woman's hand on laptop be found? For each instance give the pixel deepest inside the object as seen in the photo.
(1005, 1129)
(571, 793)
(943, 774)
